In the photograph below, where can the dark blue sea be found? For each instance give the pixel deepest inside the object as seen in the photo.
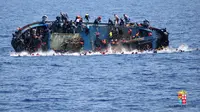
(146, 82)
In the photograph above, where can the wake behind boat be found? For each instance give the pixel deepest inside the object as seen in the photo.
(64, 35)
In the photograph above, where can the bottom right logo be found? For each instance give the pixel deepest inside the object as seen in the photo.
(182, 97)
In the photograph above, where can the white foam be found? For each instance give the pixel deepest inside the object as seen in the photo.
(181, 48)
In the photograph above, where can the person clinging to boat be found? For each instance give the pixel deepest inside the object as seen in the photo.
(126, 18)
(64, 17)
(97, 20)
(44, 18)
(116, 19)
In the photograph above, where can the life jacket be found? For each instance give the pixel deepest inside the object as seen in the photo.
(110, 34)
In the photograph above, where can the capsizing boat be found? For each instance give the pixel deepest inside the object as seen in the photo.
(75, 36)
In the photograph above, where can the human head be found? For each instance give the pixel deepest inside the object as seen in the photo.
(99, 18)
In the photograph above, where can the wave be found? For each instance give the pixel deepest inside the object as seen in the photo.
(181, 48)
(4, 35)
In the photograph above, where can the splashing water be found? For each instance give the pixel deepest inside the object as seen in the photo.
(181, 48)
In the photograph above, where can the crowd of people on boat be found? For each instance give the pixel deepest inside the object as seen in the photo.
(32, 39)
(36, 37)
(62, 24)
